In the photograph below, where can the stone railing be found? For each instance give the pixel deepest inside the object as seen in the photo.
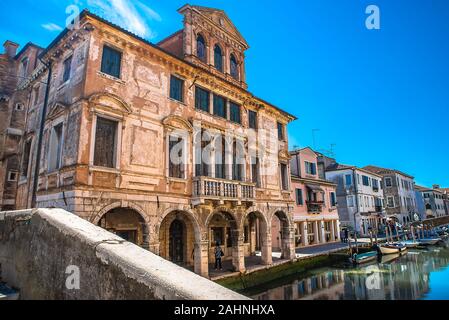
(220, 189)
(51, 254)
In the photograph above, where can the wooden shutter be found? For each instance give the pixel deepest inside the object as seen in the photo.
(105, 145)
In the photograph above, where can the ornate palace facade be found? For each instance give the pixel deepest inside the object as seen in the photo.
(161, 144)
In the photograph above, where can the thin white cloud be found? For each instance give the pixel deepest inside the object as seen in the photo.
(51, 27)
(131, 15)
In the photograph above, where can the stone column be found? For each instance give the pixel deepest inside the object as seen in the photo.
(154, 247)
(201, 264)
(267, 257)
(337, 229)
(238, 251)
(288, 242)
(315, 231)
(332, 226)
(305, 235)
(322, 231)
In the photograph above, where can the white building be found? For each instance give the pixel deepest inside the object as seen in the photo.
(359, 196)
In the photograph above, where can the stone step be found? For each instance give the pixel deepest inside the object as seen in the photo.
(6, 293)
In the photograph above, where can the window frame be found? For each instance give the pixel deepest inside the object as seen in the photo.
(59, 122)
(300, 199)
(117, 50)
(117, 144)
(281, 131)
(225, 106)
(13, 172)
(198, 88)
(255, 119)
(219, 67)
(67, 69)
(182, 81)
(185, 151)
(239, 107)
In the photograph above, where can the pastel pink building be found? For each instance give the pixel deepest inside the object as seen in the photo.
(315, 214)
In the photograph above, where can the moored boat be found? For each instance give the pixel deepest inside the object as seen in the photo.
(392, 248)
(410, 243)
(428, 241)
(361, 258)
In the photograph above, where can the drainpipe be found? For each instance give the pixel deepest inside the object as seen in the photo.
(39, 137)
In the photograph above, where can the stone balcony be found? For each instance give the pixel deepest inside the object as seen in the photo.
(315, 206)
(206, 188)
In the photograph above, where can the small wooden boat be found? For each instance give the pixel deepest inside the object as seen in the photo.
(389, 258)
(392, 248)
(428, 241)
(410, 243)
(360, 258)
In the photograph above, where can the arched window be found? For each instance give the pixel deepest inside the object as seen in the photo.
(234, 67)
(218, 58)
(201, 48)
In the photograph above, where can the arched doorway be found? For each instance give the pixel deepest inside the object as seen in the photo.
(127, 224)
(282, 238)
(256, 237)
(177, 246)
(223, 229)
(177, 238)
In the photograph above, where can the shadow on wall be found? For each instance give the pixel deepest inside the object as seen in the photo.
(52, 254)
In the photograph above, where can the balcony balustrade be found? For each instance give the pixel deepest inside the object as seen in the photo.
(315, 206)
(206, 188)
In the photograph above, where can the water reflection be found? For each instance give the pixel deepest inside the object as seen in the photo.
(405, 277)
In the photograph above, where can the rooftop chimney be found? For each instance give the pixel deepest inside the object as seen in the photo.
(10, 48)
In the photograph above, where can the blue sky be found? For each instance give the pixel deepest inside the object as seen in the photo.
(381, 96)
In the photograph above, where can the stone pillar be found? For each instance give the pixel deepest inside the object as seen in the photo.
(154, 247)
(288, 242)
(253, 237)
(267, 257)
(305, 235)
(323, 232)
(238, 251)
(201, 264)
(332, 230)
(315, 232)
(337, 229)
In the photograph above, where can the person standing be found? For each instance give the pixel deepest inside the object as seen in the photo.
(218, 256)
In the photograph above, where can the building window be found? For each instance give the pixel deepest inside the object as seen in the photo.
(201, 99)
(350, 201)
(388, 182)
(220, 157)
(235, 113)
(252, 119)
(19, 107)
(390, 202)
(12, 176)
(333, 199)
(238, 159)
(255, 170)
(365, 180)
(310, 167)
(218, 58)
(26, 158)
(220, 106)
(111, 62)
(176, 89)
(202, 141)
(67, 69)
(348, 180)
(176, 157)
(284, 176)
(299, 197)
(55, 148)
(234, 68)
(201, 48)
(280, 131)
(375, 185)
(105, 143)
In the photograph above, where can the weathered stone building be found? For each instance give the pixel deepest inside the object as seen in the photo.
(119, 109)
(14, 67)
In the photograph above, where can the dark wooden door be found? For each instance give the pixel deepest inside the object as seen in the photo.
(177, 242)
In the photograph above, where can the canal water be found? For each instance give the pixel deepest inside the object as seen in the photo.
(420, 274)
